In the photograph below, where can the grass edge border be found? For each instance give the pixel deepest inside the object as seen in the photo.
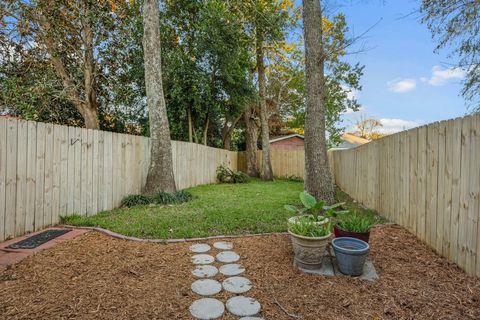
(168, 241)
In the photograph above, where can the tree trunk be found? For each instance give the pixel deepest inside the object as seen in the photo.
(205, 131)
(190, 125)
(90, 116)
(266, 173)
(251, 139)
(160, 172)
(227, 132)
(318, 180)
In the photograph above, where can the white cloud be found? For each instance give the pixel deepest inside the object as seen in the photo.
(402, 85)
(390, 126)
(441, 76)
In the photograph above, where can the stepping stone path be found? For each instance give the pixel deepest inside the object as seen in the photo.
(223, 245)
(209, 308)
(228, 257)
(237, 284)
(205, 271)
(243, 306)
(232, 269)
(200, 248)
(206, 287)
(202, 259)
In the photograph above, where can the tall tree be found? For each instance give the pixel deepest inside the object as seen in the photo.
(60, 48)
(318, 180)
(252, 124)
(456, 24)
(160, 172)
(266, 172)
(270, 20)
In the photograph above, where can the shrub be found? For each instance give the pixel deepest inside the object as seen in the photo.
(292, 178)
(135, 200)
(227, 175)
(157, 198)
(174, 197)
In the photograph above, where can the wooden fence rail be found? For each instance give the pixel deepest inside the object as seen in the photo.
(426, 179)
(285, 163)
(47, 171)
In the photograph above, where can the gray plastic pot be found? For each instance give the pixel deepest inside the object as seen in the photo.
(351, 254)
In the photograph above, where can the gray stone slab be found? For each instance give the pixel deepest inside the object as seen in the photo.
(206, 287)
(200, 248)
(205, 271)
(223, 245)
(228, 257)
(207, 309)
(237, 284)
(232, 269)
(202, 259)
(329, 268)
(243, 307)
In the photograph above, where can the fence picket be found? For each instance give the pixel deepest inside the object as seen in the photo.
(31, 177)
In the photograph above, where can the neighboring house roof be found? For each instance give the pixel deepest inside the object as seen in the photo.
(350, 140)
(275, 139)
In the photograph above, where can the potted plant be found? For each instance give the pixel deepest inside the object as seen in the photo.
(354, 226)
(350, 254)
(310, 230)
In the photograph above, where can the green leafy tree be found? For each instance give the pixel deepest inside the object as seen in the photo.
(456, 25)
(342, 79)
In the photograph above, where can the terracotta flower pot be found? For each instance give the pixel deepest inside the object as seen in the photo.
(339, 233)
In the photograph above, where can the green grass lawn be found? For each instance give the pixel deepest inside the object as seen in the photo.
(221, 209)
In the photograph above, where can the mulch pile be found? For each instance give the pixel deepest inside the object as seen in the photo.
(98, 277)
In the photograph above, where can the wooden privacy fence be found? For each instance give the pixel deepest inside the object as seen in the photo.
(49, 170)
(285, 163)
(426, 179)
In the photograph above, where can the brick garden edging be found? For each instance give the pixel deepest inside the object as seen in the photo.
(167, 241)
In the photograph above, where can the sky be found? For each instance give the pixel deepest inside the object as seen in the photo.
(405, 83)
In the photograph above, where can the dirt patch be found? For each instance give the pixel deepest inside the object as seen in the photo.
(97, 277)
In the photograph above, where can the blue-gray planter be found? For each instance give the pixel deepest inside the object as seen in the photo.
(351, 254)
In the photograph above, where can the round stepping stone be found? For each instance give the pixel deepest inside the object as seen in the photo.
(251, 318)
(227, 257)
(206, 287)
(232, 269)
(200, 248)
(207, 308)
(223, 245)
(243, 306)
(202, 259)
(205, 271)
(237, 284)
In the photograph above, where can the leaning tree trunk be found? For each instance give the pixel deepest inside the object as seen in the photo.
(318, 180)
(267, 172)
(160, 173)
(251, 139)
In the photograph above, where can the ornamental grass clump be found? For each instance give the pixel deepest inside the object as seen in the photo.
(157, 198)
(357, 223)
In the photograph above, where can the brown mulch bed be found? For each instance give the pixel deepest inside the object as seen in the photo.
(97, 277)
